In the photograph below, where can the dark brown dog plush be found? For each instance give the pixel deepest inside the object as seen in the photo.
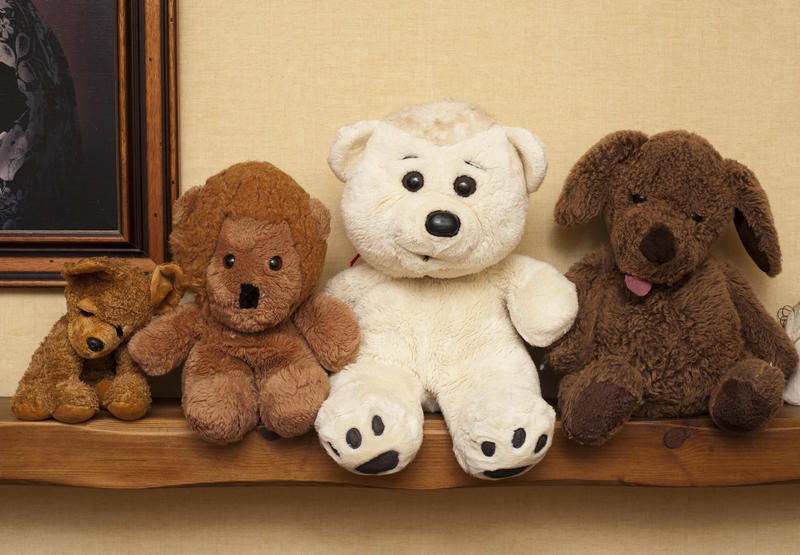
(663, 329)
(83, 363)
(252, 243)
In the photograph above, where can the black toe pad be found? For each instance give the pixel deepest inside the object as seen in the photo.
(382, 463)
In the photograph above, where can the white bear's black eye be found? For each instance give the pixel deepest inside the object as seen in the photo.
(275, 263)
(228, 260)
(464, 185)
(413, 181)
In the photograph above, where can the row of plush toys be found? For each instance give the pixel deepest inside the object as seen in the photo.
(436, 313)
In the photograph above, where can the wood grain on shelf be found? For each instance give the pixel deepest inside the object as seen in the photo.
(160, 451)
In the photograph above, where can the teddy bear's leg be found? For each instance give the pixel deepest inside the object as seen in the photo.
(30, 401)
(747, 397)
(372, 421)
(500, 424)
(596, 402)
(219, 395)
(290, 395)
(74, 401)
(127, 395)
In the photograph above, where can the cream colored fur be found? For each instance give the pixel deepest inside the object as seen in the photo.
(791, 393)
(442, 318)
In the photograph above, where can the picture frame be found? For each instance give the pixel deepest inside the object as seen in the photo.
(146, 160)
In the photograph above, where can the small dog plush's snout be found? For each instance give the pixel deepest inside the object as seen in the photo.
(442, 224)
(658, 246)
(248, 296)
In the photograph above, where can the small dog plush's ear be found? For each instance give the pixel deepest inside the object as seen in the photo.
(531, 152)
(166, 287)
(348, 147)
(753, 218)
(322, 217)
(586, 189)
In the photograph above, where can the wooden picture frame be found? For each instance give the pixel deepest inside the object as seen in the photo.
(147, 162)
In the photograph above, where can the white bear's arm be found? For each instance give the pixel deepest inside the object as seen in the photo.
(542, 302)
(350, 285)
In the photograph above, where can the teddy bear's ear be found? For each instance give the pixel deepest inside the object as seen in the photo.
(97, 266)
(321, 216)
(531, 152)
(586, 189)
(166, 287)
(753, 218)
(348, 147)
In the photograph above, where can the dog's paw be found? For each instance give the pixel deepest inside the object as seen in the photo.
(503, 436)
(367, 431)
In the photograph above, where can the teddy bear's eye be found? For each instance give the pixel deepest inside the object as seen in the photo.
(86, 313)
(464, 185)
(638, 198)
(696, 217)
(228, 260)
(413, 181)
(275, 263)
(118, 330)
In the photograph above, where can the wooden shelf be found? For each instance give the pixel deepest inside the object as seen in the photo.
(160, 451)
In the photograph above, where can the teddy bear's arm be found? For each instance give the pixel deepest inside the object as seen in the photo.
(331, 330)
(165, 342)
(762, 334)
(573, 351)
(542, 302)
(55, 360)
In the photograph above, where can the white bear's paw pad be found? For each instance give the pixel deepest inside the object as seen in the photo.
(379, 464)
(517, 442)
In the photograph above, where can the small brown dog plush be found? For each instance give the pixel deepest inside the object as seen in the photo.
(664, 330)
(83, 363)
(252, 244)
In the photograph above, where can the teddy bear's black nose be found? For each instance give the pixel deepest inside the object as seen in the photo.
(658, 246)
(95, 345)
(248, 296)
(442, 224)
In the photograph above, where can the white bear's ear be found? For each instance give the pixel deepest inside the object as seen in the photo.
(531, 152)
(348, 147)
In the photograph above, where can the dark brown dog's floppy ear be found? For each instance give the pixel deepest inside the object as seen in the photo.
(753, 218)
(586, 189)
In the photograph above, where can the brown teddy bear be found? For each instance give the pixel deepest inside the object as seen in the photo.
(256, 340)
(663, 329)
(83, 363)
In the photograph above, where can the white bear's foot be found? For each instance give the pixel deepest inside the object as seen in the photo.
(499, 436)
(369, 431)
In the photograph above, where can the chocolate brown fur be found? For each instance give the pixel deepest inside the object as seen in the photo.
(257, 341)
(83, 363)
(697, 340)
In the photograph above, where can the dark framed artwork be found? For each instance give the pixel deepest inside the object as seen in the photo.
(88, 133)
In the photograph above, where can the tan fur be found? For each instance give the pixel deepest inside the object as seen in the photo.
(443, 122)
(257, 342)
(698, 340)
(107, 301)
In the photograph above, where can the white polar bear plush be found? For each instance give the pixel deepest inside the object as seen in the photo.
(790, 318)
(435, 200)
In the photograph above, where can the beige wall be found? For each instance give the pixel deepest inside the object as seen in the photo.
(274, 80)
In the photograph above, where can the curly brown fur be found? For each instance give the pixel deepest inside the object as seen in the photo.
(256, 342)
(654, 306)
(83, 363)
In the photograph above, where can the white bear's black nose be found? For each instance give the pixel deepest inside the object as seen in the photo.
(442, 224)
(248, 296)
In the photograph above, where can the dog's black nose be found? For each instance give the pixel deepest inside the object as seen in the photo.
(248, 296)
(442, 224)
(658, 246)
(95, 345)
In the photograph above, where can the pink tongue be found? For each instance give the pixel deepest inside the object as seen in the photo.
(638, 286)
